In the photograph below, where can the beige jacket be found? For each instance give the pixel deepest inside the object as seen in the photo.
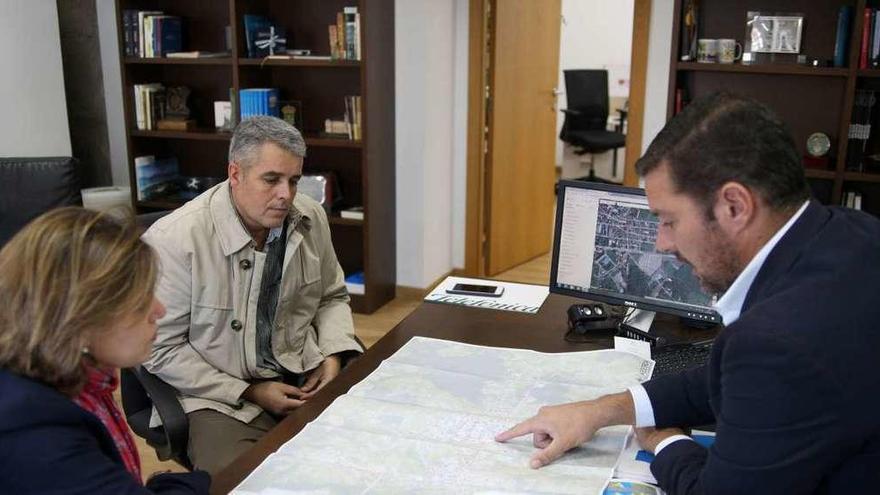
(210, 284)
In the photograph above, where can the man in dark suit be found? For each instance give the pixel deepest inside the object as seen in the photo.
(791, 384)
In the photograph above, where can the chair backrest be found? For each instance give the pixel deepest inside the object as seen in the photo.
(30, 187)
(586, 91)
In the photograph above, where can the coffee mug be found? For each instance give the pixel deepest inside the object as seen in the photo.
(707, 51)
(729, 51)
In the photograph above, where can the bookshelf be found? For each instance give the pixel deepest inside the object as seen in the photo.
(809, 99)
(364, 168)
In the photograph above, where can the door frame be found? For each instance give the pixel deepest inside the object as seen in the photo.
(478, 61)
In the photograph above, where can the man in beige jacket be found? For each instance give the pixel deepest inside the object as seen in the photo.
(257, 318)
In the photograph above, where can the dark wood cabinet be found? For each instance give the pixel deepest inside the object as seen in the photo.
(365, 168)
(808, 98)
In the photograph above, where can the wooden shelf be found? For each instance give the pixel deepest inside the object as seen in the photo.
(177, 61)
(161, 204)
(813, 173)
(292, 62)
(196, 134)
(861, 177)
(332, 142)
(791, 69)
(869, 73)
(365, 169)
(215, 135)
(336, 220)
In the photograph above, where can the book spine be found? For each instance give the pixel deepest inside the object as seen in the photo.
(875, 39)
(141, 163)
(140, 28)
(139, 121)
(334, 42)
(842, 38)
(357, 36)
(866, 33)
(126, 32)
(340, 35)
(350, 43)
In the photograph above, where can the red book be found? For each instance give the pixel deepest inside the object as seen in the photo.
(866, 35)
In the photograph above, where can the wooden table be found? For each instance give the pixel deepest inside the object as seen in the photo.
(541, 332)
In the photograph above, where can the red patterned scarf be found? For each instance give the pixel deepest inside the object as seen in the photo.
(97, 398)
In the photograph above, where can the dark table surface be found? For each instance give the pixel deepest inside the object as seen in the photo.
(542, 332)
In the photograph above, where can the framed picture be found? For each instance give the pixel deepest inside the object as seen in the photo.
(291, 112)
(778, 33)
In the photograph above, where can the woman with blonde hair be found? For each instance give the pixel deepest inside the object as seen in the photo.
(76, 304)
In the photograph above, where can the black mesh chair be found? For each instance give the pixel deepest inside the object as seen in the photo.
(586, 118)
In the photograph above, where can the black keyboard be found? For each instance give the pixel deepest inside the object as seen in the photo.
(680, 357)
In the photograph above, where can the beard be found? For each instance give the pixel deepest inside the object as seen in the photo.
(720, 264)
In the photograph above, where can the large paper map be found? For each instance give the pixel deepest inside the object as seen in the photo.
(424, 422)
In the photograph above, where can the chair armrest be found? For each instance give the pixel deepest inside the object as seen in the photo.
(164, 397)
(621, 122)
(570, 111)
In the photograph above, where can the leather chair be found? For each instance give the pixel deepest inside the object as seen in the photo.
(30, 187)
(586, 118)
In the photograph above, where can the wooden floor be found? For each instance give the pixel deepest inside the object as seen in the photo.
(371, 328)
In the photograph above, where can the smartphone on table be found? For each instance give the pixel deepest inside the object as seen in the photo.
(476, 290)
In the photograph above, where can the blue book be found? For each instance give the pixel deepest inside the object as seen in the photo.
(841, 41)
(252, 25)
(170, 35)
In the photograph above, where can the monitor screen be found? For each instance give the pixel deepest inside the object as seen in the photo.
(603, 250)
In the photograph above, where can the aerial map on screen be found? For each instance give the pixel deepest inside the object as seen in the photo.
(626, 262)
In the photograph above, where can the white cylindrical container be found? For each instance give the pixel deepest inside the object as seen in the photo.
(106, 198)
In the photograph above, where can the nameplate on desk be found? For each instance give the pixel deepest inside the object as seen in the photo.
(521, 298)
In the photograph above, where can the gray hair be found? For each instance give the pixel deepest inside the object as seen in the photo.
(255, 131)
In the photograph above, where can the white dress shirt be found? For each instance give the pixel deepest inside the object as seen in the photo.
(729, 306)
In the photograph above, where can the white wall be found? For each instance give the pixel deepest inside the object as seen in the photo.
(424, 31)
(33, 122)
(657, 76)
(459, 132)
(106, 10)
(596, 34)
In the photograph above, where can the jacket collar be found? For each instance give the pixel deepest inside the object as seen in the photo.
(788, 251)
(231, 232)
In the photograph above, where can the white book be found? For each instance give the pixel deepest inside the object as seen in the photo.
(140, 120)
(141, 16)
(353, 213)
(357, 36)
(857, 201)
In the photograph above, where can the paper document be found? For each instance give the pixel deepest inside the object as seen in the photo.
(635, 463)
(523, 298)
(425, 420)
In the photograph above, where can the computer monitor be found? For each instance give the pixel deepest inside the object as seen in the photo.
(604, 250)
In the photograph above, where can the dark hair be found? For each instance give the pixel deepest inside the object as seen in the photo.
(720, 138)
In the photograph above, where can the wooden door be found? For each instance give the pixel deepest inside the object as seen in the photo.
(521, 140)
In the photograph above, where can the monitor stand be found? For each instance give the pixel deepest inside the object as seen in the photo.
(641, 319)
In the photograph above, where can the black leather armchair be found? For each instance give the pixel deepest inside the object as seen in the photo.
(586, 118)
(30, 187)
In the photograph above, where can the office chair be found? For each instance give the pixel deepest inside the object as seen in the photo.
(586, 118)
(141, 390)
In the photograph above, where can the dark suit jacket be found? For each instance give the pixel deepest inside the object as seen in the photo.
(48, 444)
(793, 386)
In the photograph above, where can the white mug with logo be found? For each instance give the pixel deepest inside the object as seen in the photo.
(707, 51)
(729, 51)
